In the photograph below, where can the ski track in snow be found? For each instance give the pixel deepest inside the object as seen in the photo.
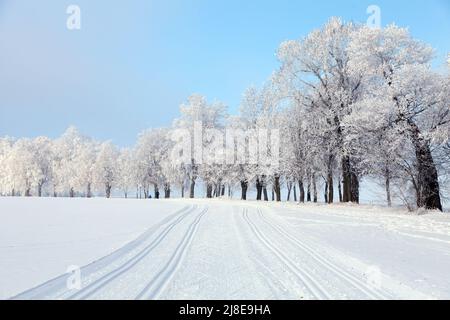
(56, 288)
(333, 268)
(156, 285)
(312, 285)
(97, 285)
(270, 257)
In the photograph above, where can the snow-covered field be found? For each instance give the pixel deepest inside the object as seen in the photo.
(219, 249)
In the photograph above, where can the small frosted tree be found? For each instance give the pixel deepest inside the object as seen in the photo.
(125, 171)
(22, 167)
(198, 112)
(41, 148)
(106, 167)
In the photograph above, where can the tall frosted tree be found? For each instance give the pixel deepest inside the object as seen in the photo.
(414, 98)
(317, 68)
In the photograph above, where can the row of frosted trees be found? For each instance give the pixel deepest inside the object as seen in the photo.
(350, 102)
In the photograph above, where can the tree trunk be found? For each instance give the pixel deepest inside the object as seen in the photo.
(258, 189)
(108, 190)
(166, 190)
(182, 190)
(295, 192)
(88, 191)
(71, 193)
(266, 198)
(428, 195)
(277, 188)
(301, 190)
(308, 188)
(330, 189)
(346, 179)
(325, 193)
(156, 191)
(314, 188)
(209, 189)
(340, 189)
(289, 188)
(244, 186)
(387, 176)
(191, 189)
(354, 190)
(330, 182)
(350, 182)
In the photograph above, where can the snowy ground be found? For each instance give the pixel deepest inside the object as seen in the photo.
(219, 249)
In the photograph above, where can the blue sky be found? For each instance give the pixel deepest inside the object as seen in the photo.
(133, 62)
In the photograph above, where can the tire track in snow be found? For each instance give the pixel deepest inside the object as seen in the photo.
(56, 288)
(98, 284)
(153, 289)
(333, 268)
(314, 287)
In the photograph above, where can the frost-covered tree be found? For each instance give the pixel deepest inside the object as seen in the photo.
(240, 171)
(414, 99)
(105, 167)
(318, 69)
(152, 154)
(196, 116)
(23, 168)
(41, 148)
(83, 162)
(64, 164)
(260, 118)
(126, 171)
(6, 179)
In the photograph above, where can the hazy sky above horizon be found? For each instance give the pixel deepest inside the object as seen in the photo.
(133, 63)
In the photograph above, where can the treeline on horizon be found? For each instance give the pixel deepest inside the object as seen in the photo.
(349, 101)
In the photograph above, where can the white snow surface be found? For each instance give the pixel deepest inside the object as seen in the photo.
(219, 249)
